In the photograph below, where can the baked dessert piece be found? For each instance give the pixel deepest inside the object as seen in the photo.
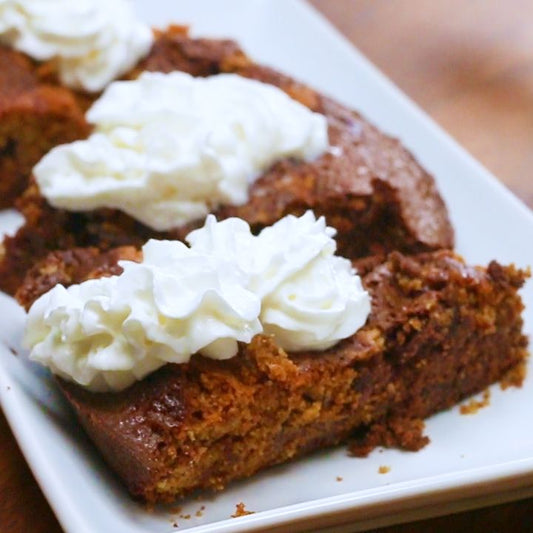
(34, 117)
(368, 186)
(439, 331)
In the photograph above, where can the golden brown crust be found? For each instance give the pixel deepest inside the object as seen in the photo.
(439, 331)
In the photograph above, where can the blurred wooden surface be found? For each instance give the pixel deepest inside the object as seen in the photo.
(470, 66)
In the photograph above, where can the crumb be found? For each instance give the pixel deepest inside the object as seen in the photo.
(200, 511)
(8, 388)
(185, 516)
(474, 405)
(515, 377)
(240, 510)
(13, 351)
(384, 469)
(175, 524)
(339, 478)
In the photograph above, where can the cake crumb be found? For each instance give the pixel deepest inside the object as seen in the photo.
(384, 469)
(200, 511)
(339, 478)
(185, 516)
(474, 405)
(240, 510)
(175, 524)
(514, 377)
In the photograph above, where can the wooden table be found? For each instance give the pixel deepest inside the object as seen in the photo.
(470, 66)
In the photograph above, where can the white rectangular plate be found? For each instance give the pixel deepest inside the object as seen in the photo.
(471, 459)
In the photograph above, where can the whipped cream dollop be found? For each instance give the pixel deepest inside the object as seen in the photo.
(226, 287)
(169, 148)
(93, 41)
(310, 298)
(107, 333)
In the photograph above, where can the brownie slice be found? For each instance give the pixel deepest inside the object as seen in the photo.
(438, 332)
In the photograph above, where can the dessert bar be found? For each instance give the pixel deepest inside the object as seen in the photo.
(439, 331)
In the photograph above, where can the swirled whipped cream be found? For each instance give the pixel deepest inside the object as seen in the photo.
(169, 148)
(227, 286)
(310, 298)
(107, 333)
(93, 41)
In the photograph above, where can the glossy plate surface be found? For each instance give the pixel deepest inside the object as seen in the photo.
(471, 459)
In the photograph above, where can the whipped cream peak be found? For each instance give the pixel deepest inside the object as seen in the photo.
(230, 239)
(225, 287)
(169, 148)
(275, 254)
(92, 41)
(294, 242)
